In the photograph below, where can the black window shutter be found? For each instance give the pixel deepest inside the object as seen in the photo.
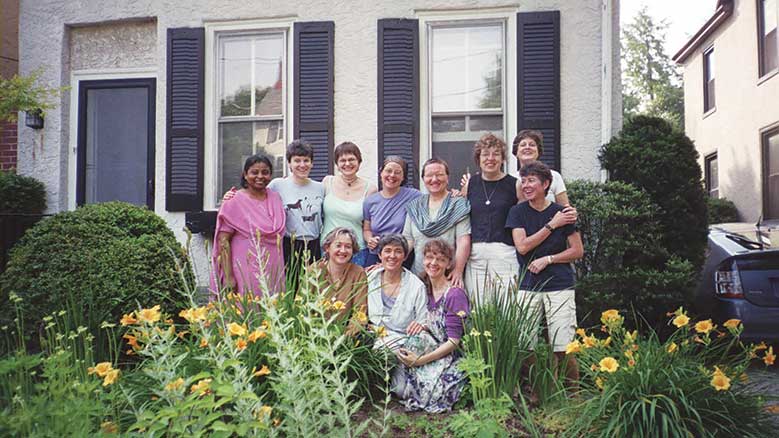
(184, 126)
(398, 92)
(313, 93)
(538, 79)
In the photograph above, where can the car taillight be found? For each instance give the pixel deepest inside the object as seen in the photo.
(727, 282)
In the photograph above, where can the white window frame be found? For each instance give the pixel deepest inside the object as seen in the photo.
(76, 77)
(211, 129)
(430, 19)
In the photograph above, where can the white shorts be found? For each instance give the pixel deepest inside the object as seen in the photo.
(492, 268)
(559, 308)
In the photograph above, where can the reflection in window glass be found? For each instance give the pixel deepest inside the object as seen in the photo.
(770, 39)
(771, 155)
(251, 75)
(250, 86)
(709, 99)
(466, 69)
(712, 176)
(238, 141)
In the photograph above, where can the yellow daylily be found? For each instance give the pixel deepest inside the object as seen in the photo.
(608, 364)
(339, 305)
(149, 316)
(111, 377)
(128, 319)
(704, 327)
(609, 316)
(257, 334)
(236, 329)
(681, 321)
(264, 412)
(101, 369)
(241, 344)
(573, 347)
(264, 371)
(202, 387)
(671, 347)
(732, 324)
(174, 385)
(719, 380)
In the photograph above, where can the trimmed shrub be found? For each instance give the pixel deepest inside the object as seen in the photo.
(624, 265)
(21, 194)
(650, 154)
(97, 262)
(721, 211)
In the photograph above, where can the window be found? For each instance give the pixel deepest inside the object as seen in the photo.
(711, 175)
(250, 99)
(767, 40)
(466, 65)
(771, 174)
(709, 101)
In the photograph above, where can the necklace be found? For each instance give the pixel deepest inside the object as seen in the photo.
(484, 186)
(349, 183)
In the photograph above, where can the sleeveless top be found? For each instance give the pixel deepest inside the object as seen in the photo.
(340, 213)
(490, 205)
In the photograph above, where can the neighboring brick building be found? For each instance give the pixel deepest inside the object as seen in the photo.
(9, 65)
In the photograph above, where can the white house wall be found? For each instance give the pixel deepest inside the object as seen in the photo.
(590, 103)
(744, 106)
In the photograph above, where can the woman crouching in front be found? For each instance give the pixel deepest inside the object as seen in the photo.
(345, 284)
(397, 303)
(430, 379)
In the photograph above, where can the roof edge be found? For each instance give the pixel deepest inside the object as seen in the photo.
(721, 14)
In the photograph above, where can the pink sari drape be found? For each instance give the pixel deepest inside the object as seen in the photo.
(255, 247)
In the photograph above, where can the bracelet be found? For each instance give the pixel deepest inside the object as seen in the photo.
(550, 259)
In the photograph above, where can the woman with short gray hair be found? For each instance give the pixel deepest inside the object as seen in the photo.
(397, 299)
(343, 282)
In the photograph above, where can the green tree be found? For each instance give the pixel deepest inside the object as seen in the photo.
(651, 81)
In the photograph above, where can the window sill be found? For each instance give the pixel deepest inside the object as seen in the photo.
(762, 79)
(709, 112)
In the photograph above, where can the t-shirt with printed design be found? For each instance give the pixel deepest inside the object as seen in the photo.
(303, 206)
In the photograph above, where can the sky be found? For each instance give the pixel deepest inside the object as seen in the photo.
(684, 17)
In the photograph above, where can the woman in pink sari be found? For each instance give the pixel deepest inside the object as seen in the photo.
(249, 229)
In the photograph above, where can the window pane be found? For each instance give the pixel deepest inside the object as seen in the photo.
(457, 147)
(772, 150)
(238, 141)
(770, 54)
(467, 68)
(268, 69)
(713, 175)
(247, 63)
(708, 80)
(235, 74)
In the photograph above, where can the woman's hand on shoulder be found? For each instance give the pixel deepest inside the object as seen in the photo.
(230, 194)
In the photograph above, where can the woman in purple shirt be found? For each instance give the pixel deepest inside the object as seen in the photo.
(430, 379)
(384, 212)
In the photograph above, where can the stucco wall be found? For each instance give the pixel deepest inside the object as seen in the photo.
(49, 24)
(744, 106)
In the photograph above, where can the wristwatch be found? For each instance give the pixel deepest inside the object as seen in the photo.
(549, 227)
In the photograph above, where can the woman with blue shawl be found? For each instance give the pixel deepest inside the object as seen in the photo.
(439, 215)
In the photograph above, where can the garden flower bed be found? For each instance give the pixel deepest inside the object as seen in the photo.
(284, 366)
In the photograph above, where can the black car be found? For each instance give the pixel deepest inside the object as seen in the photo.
(741, 278)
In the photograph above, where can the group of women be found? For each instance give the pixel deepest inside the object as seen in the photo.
(363, 240)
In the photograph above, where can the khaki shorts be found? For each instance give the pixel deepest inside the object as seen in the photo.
(559, 308)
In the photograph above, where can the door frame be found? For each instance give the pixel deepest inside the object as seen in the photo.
(84, 85)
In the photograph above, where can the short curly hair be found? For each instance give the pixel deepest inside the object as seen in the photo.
(489, 141)
(340, 231)
(532, 134)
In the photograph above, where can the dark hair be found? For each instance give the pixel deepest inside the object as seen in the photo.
(539, 169)
(251, 161)
(435, 161)
(532, 134)
(436, 246)
(488, 141)
(397, 160)
(340, 231)
(347, 147)
(299, 148)
(393, 239)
